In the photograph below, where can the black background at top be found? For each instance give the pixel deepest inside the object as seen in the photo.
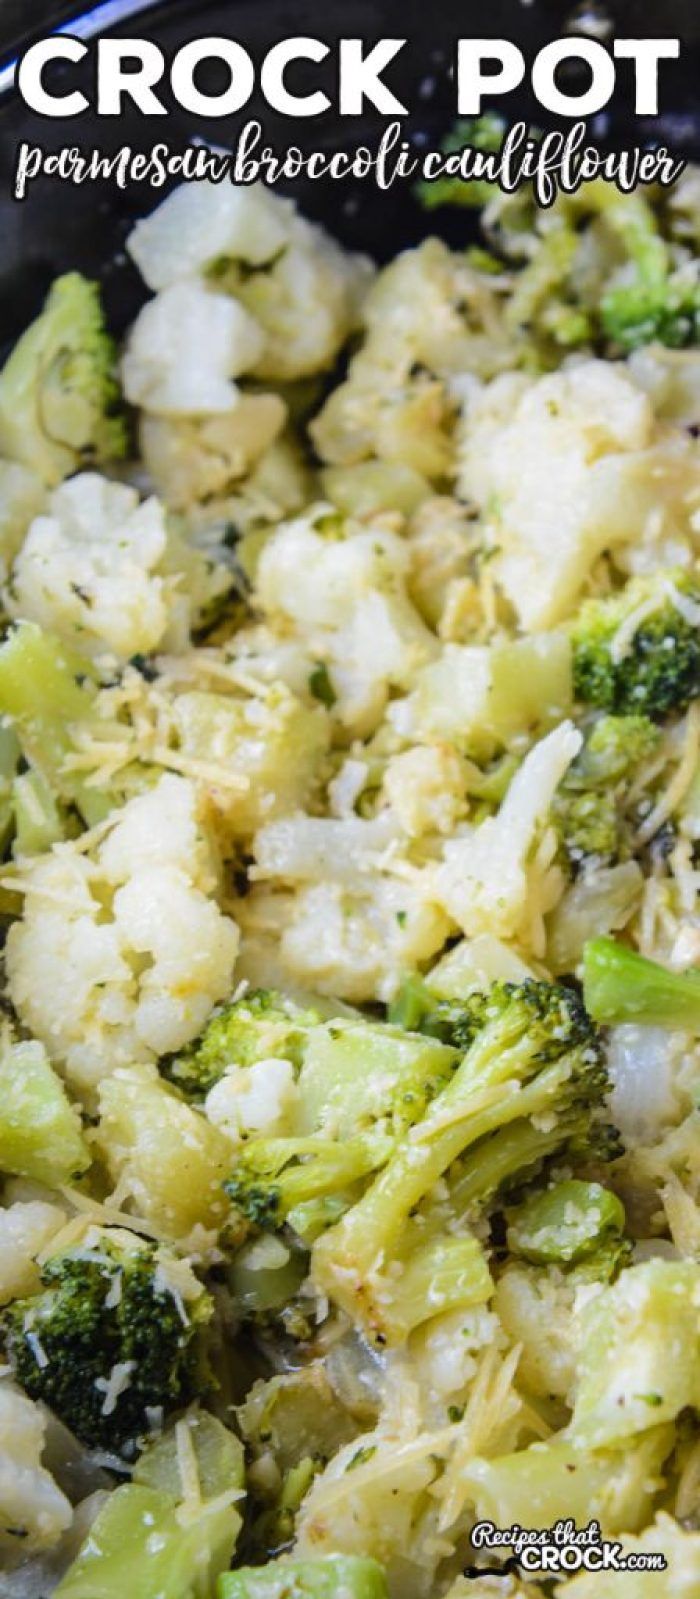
(59, 227)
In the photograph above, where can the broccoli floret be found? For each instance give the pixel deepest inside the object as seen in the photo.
(303, 1180)
(411, 1004)
(483, 133)
(455, 1021)
(531, 1081)
(655, 305)
(651, 297)
(589, 808)
(261, 1024)
(653, 667)
(60, 405)
(360, 1088)
(622, 986)
(113, 1340)
(601, 271)
(588, 825)
(613, 750)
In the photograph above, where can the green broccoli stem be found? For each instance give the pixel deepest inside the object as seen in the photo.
(412, 1002)
(41, 1136)
(567, 1223)
(621, 986)
(508, 1153)
(276, 1175)
(489, 1089)
(457, 1124)
(44, 690)
(325, 1167)
(446, 1273)
(146, 1539)
(311, 1218)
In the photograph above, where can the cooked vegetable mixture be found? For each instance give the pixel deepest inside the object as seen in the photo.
(350, 814)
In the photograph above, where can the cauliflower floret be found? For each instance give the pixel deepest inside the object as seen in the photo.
(488, 881)
(270, 657)
(200, 222)
(104, 571)
(385, 411)
(88, 568)
(158, 828)
(33, 1511)
(121, 954)
(680, 1548)
(430, 305)
(304, 848)
(353, 943)
(671, 378)
(184, 349)
(314, 569)
(447, 1349)
(427, 316)
(301, 287)
(567, 466)
(352, 929)
(254, 1099)
(536, 1310)
(25, 1229)
(425, 789)
(307, 301)
(344, 591)
(201, 458)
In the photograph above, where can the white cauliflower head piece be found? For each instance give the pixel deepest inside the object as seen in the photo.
(307, 301)
(343, 590)
(193, 458)
(120, 955)
(564, 467)
(300, 286)
(353, 926)
(199, 222)
(30, 1500)
(26, 1227)
(185, 348)
(492, 878)
(253, 1099)
(88, 568)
